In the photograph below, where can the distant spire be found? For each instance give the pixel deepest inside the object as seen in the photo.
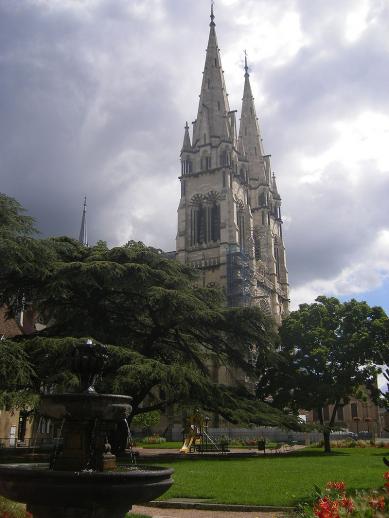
(186, 145)
(212, 15)
(246, 68)
(249, 131)
(83, 238)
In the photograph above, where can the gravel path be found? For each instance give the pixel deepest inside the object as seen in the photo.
(189, 513)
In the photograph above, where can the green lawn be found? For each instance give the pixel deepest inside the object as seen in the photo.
(275, 480)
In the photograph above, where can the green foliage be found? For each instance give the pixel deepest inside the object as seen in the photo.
(146, 420)
(16, 375)
(328, 351)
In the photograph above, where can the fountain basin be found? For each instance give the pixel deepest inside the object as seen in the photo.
(83, 494)
(104, 407)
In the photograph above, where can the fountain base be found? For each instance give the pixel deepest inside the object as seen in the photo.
(82, 494)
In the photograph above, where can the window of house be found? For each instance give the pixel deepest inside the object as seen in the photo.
(326, 413)
(354, 410)
(339, 414)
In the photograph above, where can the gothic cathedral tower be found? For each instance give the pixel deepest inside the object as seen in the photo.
(229, 216)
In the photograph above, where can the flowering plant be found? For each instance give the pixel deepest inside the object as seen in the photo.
(333, 502)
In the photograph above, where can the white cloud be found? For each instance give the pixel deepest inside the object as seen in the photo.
(362, 138)
(369, 271)
(357, 20)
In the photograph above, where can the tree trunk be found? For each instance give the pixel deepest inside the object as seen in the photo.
(327, 442)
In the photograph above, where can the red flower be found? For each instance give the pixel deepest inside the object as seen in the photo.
(339, 486)
(347, 503)
(377, 503)
(326, 508)
(386, 475)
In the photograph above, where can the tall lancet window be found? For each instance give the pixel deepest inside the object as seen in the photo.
(198, 227)
(186, 165)
(215, 222)
(241, 230)
(277, 258)
(205, 222)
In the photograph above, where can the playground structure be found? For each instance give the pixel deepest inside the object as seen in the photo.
(196, 436)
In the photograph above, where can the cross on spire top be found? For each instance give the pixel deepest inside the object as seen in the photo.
(246, 68)
(212, 15)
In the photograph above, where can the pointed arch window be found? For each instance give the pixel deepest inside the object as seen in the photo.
(186, 166)
(225, 158)
(206, 162)
(277, 258)
(205, 223)
(263, 199)
(241, 230)
(218, 106)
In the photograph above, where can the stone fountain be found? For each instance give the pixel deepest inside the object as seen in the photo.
(83, 479)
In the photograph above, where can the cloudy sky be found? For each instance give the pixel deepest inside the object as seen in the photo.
(94, 95)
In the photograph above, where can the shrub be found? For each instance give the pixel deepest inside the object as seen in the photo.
(153, 439)
(9, 509)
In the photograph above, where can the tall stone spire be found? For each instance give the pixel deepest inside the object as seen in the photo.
(213, 117)
(249, 134)
(83, 237)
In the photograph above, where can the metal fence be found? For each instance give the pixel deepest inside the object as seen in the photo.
(30, 442)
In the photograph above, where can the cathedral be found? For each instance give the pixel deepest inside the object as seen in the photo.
(229, 215)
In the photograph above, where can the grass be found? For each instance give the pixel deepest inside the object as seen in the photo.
(275, 480)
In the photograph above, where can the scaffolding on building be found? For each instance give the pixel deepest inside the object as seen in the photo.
(239, 275)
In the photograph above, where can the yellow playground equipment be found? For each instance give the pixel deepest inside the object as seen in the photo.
(196, 434)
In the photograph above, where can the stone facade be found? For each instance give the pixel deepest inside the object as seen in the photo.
(229, 216)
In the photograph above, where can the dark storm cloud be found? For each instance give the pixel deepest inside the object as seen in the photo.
(94, 96)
